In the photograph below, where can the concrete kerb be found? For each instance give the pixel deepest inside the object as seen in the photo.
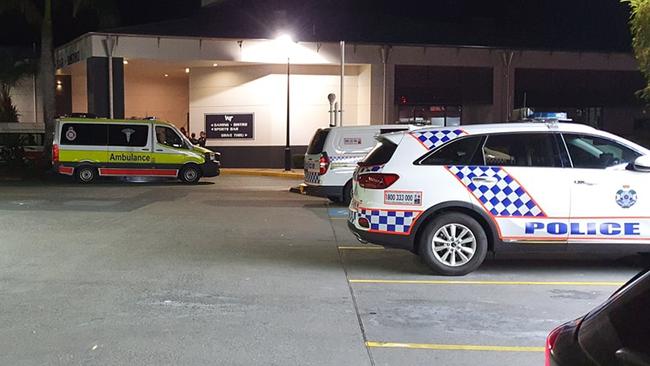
(263, 173)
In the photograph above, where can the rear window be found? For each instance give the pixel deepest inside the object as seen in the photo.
(318, 141)
(380, 154)
(622, 322)
(21, 139)
(84, 134)
(464, 151)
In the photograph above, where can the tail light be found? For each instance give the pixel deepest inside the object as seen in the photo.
(550, 343)
(55, 153)
(323, 164)
(377, 180)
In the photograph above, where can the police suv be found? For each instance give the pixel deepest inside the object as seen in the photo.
(333, 154)
(453, 194)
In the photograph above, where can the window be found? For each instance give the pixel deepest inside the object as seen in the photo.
(459, 152)
(31, 139)
(89, 134)
(622, 322)
(522, 149)
(318, 141)
(591, 152)
(128, 135)
(169, 137)
(380, 154)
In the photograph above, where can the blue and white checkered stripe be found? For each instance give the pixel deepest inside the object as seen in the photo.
(398, 222)
(433, 139)
(505, 197)
(312, 177)
(347, 159)
(370, 169)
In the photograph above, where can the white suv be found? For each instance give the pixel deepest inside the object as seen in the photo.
(453, 194)
(333, 154)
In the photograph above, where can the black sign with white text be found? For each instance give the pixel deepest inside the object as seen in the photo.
(229, 126)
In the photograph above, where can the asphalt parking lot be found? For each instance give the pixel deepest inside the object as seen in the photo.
(238, 271)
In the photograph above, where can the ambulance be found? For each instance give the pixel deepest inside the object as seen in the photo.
(453, 194)
(87, 148)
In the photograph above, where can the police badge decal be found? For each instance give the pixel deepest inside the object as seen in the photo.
(626, 197)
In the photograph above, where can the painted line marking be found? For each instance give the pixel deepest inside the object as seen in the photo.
(338, 218)
(337, 212)
(357, 247)
(453, 347)
(502, 283)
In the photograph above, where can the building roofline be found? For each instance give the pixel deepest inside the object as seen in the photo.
(390, 44)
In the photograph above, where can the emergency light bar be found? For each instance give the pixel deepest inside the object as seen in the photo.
(549, 115)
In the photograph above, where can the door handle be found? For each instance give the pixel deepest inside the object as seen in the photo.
(159, 149)
(484, 179)
(144, 149)
(579, 181)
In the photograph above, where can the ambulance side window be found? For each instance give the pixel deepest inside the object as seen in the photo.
(128, 135)
(522, 149)
(88, 134)
(464, 151)
(592, 152)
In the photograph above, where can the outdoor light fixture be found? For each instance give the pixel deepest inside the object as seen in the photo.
(126, 62)
(166, 75)
(187, 70)
(215, 65)
(284, 38)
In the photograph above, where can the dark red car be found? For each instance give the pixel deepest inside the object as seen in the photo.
(617, 333)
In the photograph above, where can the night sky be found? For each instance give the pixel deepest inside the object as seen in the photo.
(545, 24)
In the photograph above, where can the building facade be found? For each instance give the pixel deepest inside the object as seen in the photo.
(191, 81)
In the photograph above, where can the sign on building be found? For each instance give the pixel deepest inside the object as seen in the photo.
(229, 126)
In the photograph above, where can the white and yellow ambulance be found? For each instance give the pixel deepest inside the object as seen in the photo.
(90, 147)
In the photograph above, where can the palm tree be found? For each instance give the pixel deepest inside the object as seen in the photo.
(39, 13)
(640, 27)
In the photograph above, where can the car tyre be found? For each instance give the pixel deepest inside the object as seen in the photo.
(190, 174)
(85, 174)
(453, 244)
(347, 194)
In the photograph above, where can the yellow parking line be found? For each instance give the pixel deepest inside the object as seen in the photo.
(358, 247)
(453, 347)
(338, 218)
(510, 283)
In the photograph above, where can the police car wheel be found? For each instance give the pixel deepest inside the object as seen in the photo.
(453, 244)
(190, 174)
(85, 174)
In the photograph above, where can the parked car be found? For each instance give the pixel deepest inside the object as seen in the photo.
(88, 148)
(453, 194)
(617, 333)
(21, 142)
(333, 154)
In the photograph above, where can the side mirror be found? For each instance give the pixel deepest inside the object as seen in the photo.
(628, 357)
(642, 163)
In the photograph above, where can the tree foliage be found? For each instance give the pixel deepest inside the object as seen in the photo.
(640, 27)
(13, 68)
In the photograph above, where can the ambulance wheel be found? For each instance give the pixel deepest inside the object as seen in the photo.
(85, 174)
(453, 244)
(190, 174)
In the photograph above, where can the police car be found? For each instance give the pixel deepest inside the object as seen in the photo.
(453, 194)
(333, 154)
